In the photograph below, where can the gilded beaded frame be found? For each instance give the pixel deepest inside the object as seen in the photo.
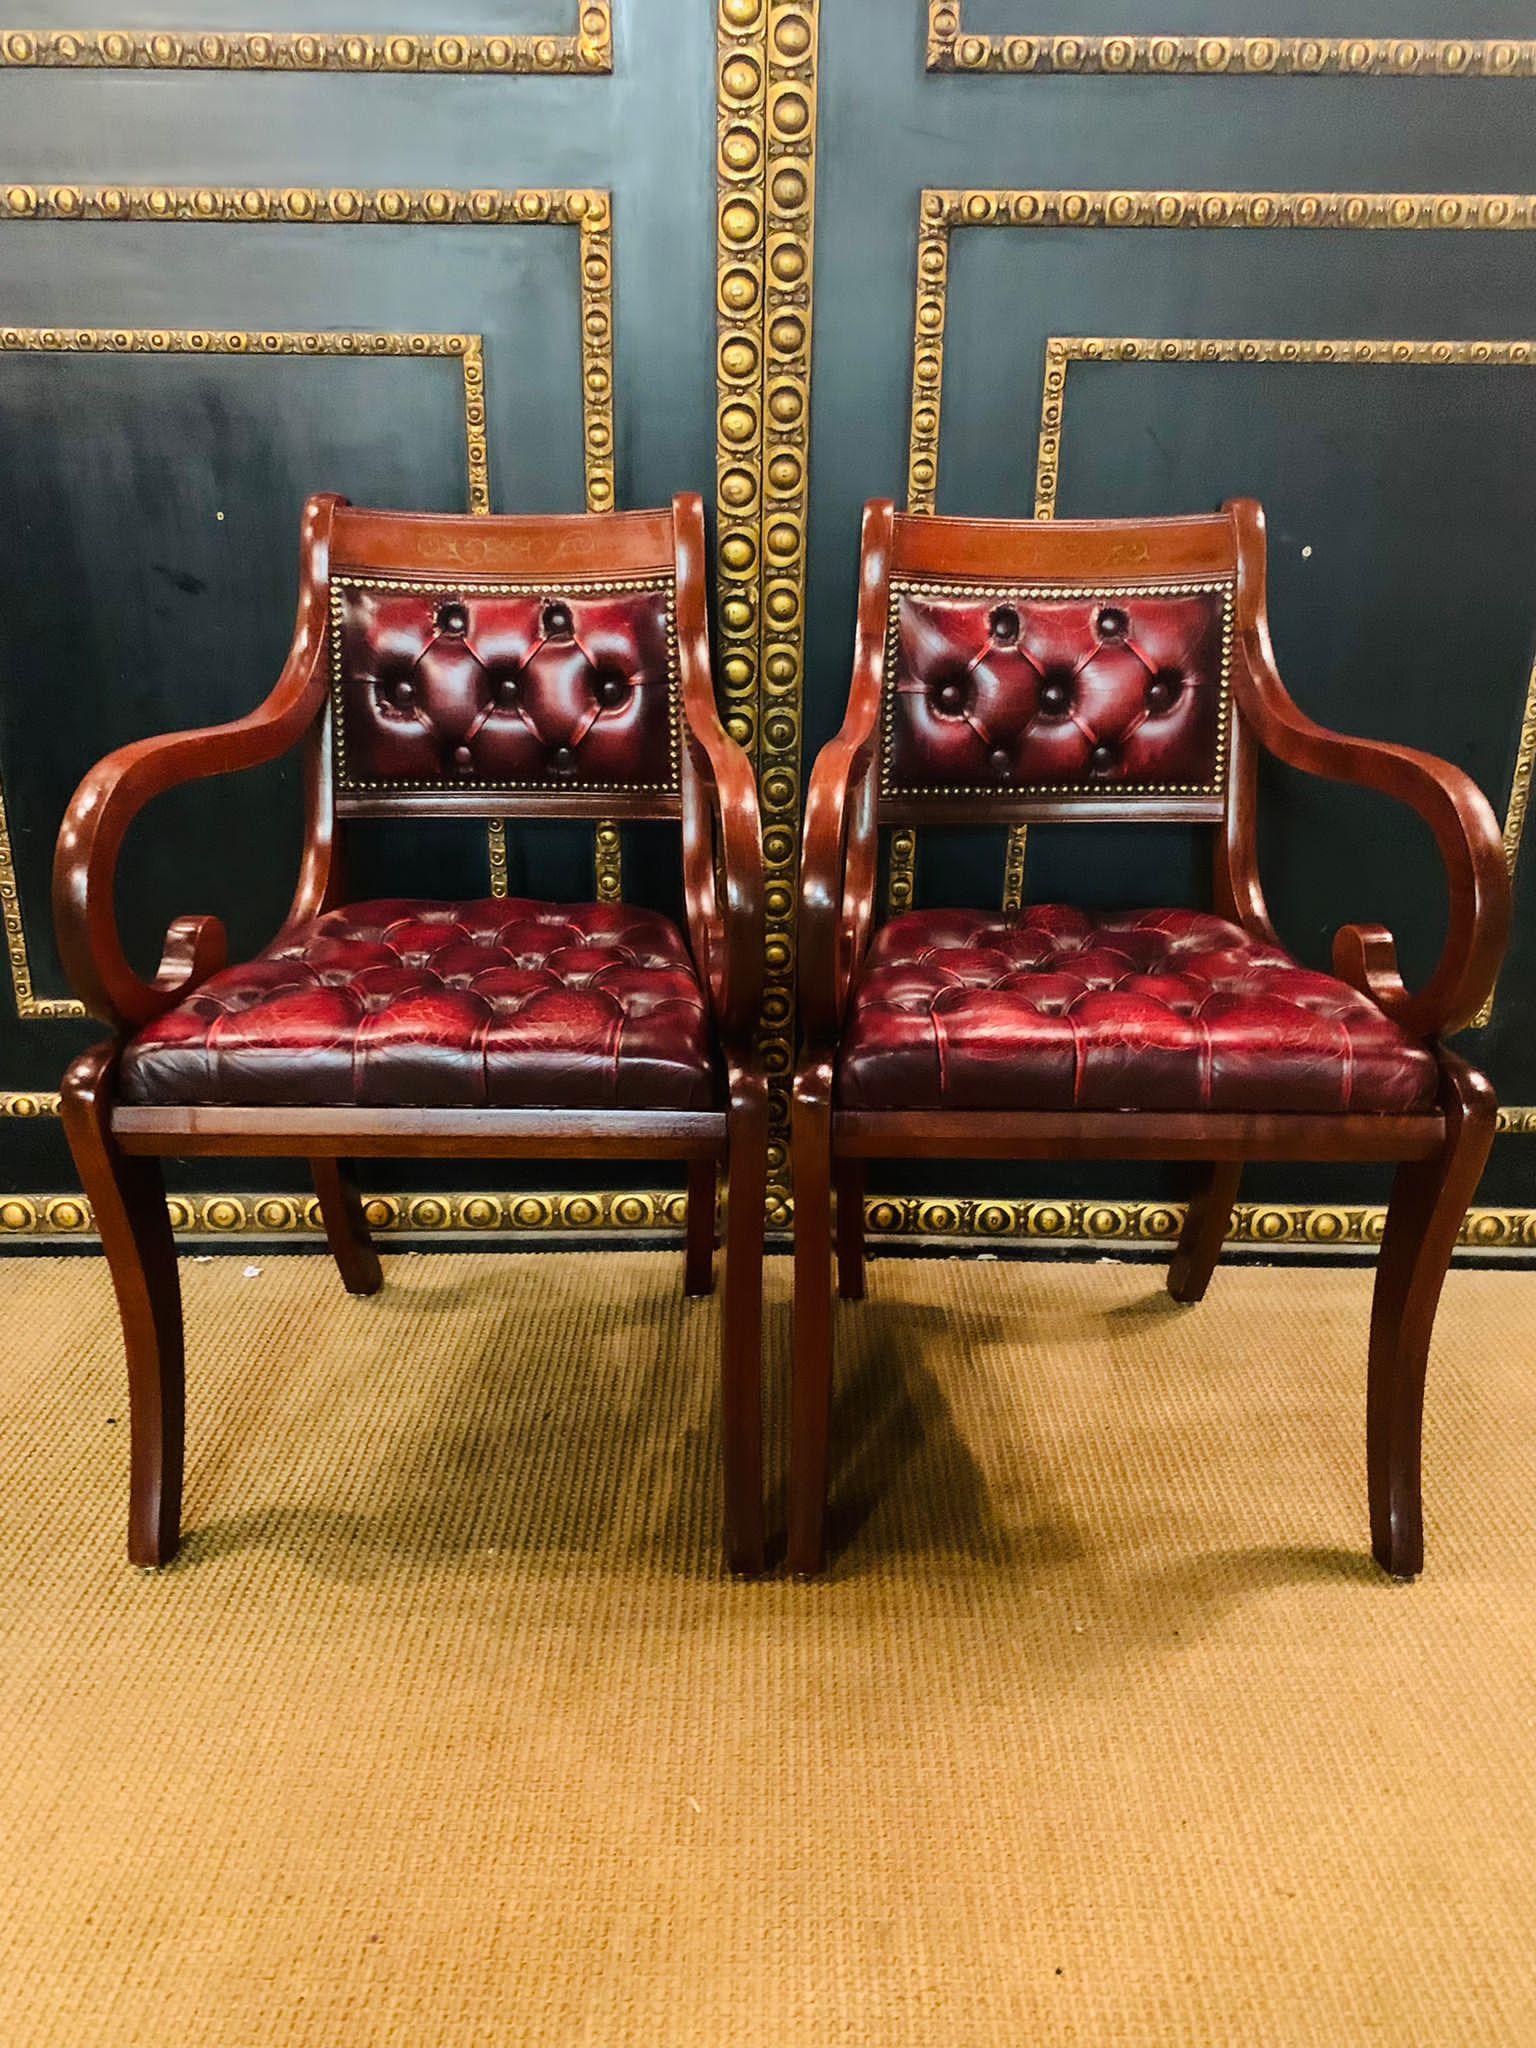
(588, 49)
(951, 47)
(467, 349)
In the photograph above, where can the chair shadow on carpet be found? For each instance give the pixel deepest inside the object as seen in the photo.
(905, 1481)
(518, 1450)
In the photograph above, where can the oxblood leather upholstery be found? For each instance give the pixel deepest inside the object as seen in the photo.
(1076, 693)
(504, 1004)
(469, 688)
(1054, 1008)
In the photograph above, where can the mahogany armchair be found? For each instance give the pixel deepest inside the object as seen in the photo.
(443, 668)
(1118, 672)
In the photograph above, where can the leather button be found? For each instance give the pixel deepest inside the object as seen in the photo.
(1005, 625)
(1112, 623)
(558, 623)
(950, 698)
(453, 618)
(1055, 696)
(612, 691)
(1103, 758)
(563, 761)
(1163, 690)
(403, 696)
(506, 690)
(1000, 761)
(463, 761)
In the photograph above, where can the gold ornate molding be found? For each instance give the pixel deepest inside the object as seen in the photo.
(466, 349)
(1280, 1225)
(588, 49)
(919, 1219)
(23, 1106)
(1063, 350)
(901, 875)
(952, 48)
(766, 166)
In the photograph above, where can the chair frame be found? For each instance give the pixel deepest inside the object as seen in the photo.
(1439, 1156)
(117, 1147)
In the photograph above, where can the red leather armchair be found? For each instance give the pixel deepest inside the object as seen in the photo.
(1117, 672)
(443, 667)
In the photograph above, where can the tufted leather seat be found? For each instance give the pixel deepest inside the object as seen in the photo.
(1062, 693)
(462, 687)
(1056, 1008)
(505, 1004)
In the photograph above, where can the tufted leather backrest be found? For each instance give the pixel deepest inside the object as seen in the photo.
(1055, 691)
(493, 665)
(1057, 669)
(500, 688)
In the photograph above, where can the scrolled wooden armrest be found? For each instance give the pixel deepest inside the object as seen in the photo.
(728, 937)
(1465, 830)
(118, 788)
(837, 870)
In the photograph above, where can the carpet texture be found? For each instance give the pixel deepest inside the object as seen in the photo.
(446, 1729)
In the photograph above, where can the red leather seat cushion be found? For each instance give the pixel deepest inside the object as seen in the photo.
(504, 1004)
(1055, 1008)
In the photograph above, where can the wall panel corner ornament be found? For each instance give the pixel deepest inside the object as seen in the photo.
(953, 47)
(585, 49)
(767, 80)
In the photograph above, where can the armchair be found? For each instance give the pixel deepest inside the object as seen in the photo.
(1118, 672)
(459, 668)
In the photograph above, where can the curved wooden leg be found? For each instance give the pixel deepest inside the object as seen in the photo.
(811, 1391)
(699, 1271)
(127, 1198)
(1204, 1232)
(346, 1227)
(1430, 1198)
(848, 1174)
(741, 1359)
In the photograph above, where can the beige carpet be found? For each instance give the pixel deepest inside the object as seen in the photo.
(445, 1728)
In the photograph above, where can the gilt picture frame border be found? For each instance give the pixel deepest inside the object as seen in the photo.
(584, 50)
(311, 345)
(1062, 351)
(954, 48)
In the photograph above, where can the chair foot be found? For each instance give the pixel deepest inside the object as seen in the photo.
(127, 1198)
(811, 1393)
(1430, 1199)
(346, 1227)
(1204, 1232)
(699, 1269)
(849, 1176)
(741, 1351)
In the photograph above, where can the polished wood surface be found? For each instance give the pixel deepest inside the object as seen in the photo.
(1440, 1153)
